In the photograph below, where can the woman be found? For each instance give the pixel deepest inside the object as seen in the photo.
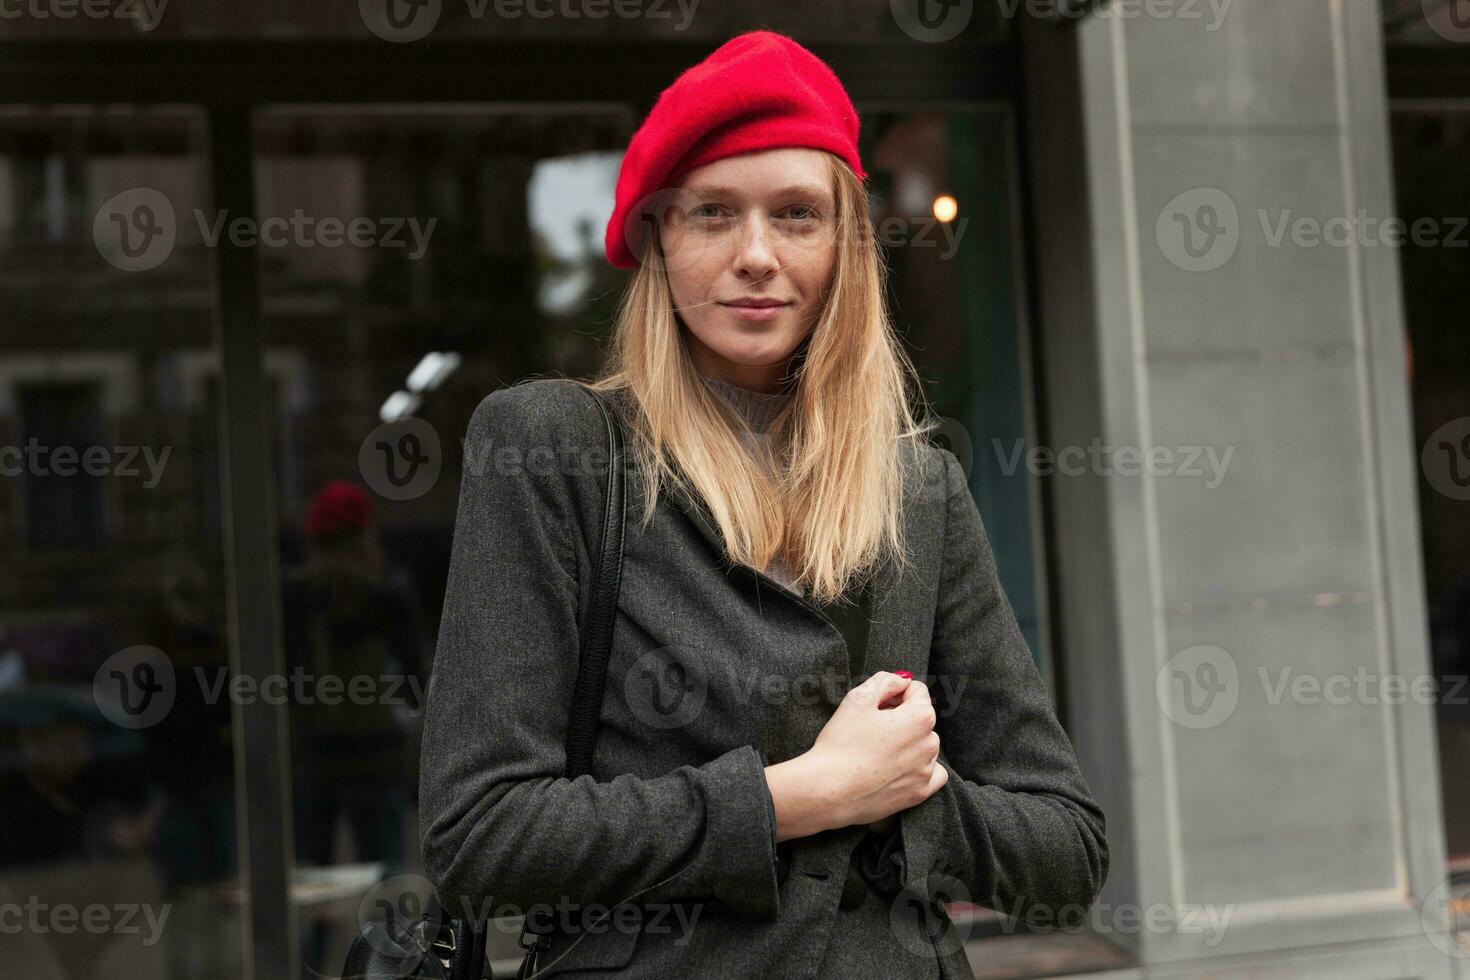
(348, 614)
(770, 796)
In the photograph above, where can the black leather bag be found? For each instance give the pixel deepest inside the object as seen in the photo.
(449, 947)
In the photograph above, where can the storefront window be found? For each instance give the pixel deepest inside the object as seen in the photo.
(479, 263)
(116, 754)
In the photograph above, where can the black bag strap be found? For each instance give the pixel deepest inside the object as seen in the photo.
(597, 637)
(606, 584)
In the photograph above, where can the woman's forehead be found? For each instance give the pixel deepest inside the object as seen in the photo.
(765, 171)
(755, 189)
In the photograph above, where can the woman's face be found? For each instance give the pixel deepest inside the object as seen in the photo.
(749, 250)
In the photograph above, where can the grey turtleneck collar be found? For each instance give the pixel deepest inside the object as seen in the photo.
(758, 408)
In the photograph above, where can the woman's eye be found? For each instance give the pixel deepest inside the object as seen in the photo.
(708, 211)
(802, 212)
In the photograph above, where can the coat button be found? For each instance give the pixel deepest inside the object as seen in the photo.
(854, 890)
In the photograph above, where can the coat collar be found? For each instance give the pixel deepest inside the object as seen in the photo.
(893, 605)
(877, 617)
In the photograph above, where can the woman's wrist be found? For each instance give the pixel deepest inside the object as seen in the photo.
(885, 825)
(802, 807)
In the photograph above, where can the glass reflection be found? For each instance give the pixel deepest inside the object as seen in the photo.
(117, 806)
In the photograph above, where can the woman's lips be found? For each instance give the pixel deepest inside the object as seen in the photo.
(757, 314)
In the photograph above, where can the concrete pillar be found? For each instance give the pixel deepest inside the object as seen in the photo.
(1168, 143)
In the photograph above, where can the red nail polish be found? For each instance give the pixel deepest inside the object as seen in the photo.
(904, 673)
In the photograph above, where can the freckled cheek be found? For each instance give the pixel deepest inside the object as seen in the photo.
(813, 284)
(689, 284)
(699, 271)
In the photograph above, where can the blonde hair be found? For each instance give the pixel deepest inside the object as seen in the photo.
(834, 509)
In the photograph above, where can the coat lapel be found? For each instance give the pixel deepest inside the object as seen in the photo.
(879, 627)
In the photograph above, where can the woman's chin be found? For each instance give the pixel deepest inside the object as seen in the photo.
(754, 349)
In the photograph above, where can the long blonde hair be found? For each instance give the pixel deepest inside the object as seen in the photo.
(834, 508)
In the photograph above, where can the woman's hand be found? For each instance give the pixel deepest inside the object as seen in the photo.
(867, 764)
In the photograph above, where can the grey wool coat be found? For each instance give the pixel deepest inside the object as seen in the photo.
(663, 861)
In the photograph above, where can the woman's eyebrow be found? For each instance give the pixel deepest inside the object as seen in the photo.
(794, 190)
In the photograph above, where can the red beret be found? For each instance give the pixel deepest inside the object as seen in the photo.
(340, 506)
(758, 91)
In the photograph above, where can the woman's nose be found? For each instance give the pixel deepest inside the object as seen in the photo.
(756, 257)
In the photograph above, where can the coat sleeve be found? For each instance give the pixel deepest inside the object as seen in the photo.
(500, 820)
(1016, 823)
